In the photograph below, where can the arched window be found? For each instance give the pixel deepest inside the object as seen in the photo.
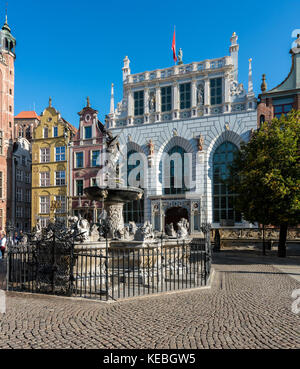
(174, 171)
(262, 119)
(223, 199)
(134, 210)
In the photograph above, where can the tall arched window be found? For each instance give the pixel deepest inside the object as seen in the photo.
(174, 173)
(223, 199)
(134, 210)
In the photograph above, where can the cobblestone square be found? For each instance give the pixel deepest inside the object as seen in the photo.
(249, 305)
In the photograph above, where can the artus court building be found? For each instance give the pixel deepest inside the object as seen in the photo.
(199, 109)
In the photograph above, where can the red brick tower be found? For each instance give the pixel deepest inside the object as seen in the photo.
(7, 74)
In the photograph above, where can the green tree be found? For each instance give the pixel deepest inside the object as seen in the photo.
(266, 175)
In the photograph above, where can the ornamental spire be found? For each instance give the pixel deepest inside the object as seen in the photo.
(250, 82)
(112, 100)
(264, 84)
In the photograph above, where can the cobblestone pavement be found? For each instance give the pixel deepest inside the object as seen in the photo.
(248, 306)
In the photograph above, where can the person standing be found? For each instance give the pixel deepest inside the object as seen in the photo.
(3, 244)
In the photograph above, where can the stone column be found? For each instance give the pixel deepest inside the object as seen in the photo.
(206, 96)
(130, 107)
(194, 98)
(158, 103)
(146, 105)
(227, 97)
(175, 101)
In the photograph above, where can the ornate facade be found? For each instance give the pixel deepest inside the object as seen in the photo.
(197, 110)
(85, 150)
(50, 160)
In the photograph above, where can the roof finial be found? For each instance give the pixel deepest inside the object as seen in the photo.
(264, 84)
(50, 102)
(250, 83)
(88, 104)
(112, 100)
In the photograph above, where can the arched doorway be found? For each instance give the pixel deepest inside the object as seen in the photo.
(174, 215)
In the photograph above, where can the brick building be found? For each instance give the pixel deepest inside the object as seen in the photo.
(284, 97)
(85, 150)
(7, 74)
(25, 123)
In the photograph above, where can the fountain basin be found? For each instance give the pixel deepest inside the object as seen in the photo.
(114, 195)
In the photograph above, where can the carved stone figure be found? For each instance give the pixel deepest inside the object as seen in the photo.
(200, 143)
(95, 233)
(84, 228)
(152, 102)
(132, 228)
(37, 232)
(200, 95)
(183, 228)
(151, 147)
(144, 233)
(180, 56)
(170, 230)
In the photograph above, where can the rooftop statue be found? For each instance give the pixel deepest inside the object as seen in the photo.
(180, 56)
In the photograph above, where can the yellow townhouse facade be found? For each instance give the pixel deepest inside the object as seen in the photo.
(50, 163)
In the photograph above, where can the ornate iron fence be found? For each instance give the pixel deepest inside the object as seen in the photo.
(104, 271)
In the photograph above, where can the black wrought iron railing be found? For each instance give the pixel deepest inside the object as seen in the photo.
(107, 272)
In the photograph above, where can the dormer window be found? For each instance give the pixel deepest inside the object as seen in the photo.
(88, 132)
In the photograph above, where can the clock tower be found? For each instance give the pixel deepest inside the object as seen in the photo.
(7, 76)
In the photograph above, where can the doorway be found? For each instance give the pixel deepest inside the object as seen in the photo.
(173, 215)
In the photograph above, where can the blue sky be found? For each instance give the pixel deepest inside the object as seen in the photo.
(73, 49)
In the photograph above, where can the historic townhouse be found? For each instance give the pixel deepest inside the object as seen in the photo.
(200, 109)
(284, 97)
(50, 167)
(7, 75)
(21, 185)
(85, 150)
(25, 123)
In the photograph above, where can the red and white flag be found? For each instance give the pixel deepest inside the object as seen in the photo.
(174, 47)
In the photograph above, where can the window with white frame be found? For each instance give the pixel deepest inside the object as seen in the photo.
(79, 187)
(55, 131)
(19, 175)
(60, 178)
(95, 158)
(62, 201)
(166, 99)
(19, 194)
(216, 91)
(60, 153)
(46, 132)
(79, 160)
(45, 179)
(44, 222)
(45, 204)
(88, 132)
(45, 155)
(185, 96)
